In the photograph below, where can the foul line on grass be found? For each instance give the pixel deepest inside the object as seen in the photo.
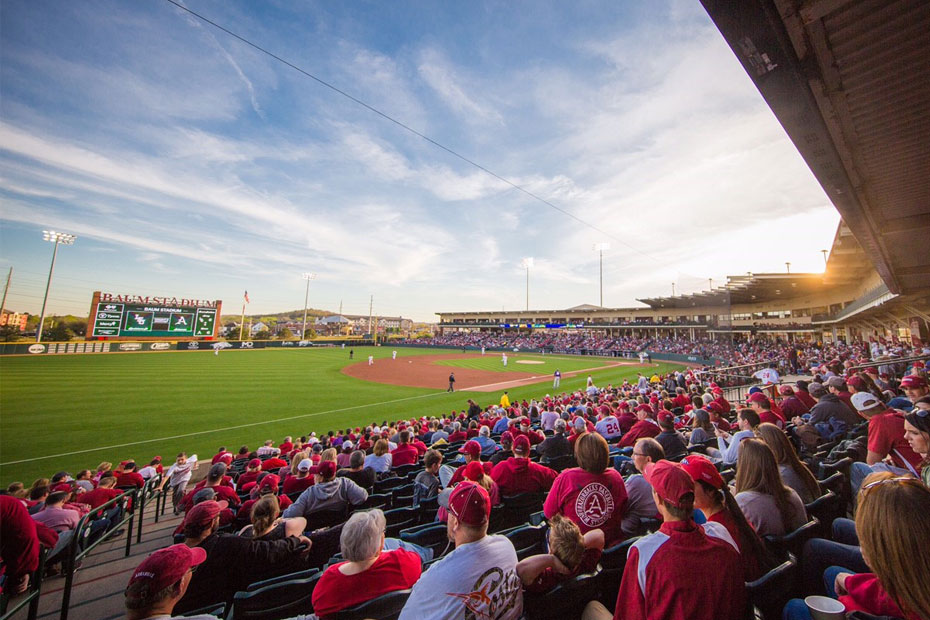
(218, 430)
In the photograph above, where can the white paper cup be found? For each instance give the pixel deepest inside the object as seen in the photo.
(825, 608)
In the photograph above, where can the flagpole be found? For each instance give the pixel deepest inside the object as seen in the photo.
(242, 322)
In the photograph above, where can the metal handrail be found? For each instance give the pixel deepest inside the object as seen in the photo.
(35, 591)
(891, 362)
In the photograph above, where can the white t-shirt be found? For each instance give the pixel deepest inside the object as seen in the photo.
(476, 580)
(608, 427)
(767, 376)
(548, 420)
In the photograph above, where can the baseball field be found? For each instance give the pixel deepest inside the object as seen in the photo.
(72, 412)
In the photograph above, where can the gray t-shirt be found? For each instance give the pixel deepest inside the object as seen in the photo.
(793, 481)
(640, 504)
(762, 513)
(476, 580)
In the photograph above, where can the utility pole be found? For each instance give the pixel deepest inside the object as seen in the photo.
(9, 277)
(371, 304)
(824, 252)
(307, 277)
(673, 289)
(788, 266)
(599, 248)
(710, 281)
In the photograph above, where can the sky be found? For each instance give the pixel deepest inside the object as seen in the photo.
(190, 164)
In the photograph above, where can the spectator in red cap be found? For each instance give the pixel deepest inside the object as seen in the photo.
(715, 411)
(329, 493)
(591, 495)
(233, 562)
(761, 404)
(713, 498)
(915, 387)
(161, 580)
(791, 406)
(885, 442)
(130, 476)
(519, 474)
(252, 470)
(644, 427)
(472, 452)
(660, 579)
(479, 578)
(404, 453)
(369, 570)
(506, 450)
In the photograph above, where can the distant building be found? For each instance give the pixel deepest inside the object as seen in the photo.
(14, 319)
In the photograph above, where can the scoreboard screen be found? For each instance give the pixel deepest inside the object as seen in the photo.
(125, 316)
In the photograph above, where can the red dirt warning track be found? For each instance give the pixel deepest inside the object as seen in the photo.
(422, 371)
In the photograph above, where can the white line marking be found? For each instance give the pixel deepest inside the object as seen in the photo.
(218, 430)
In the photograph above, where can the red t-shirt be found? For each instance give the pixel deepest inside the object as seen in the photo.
(293, 484)
(99, 496)
(247, 477)
(772, 418)
(273, 463)
(130, 479)
(643, 428)
(590, 500)
(286, 447)
(459, 474)
(459, 436)
(393, 570)
(404, 454)
(886, 437)
(515, 475)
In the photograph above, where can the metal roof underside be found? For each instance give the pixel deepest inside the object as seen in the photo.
(849, 80)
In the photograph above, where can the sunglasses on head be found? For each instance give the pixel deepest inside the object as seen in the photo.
(886, 481)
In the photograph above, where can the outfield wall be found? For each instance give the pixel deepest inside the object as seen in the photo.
(628, 354)
(66, 348)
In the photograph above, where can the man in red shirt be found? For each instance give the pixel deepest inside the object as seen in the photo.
(661, 579)
(645, 427)
(915, 387)
(888, 450)
(252, 470)
(519, 474)
(302, 481)
(130, 476)
(761, 404)
(404, 453)
(472, 452)
(104, 492)
(220, 455)
(213, 481)
(273, 464)
(286, 446)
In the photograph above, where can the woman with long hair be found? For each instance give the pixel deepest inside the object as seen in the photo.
(267, 524)
(794, 473)
(380, 459)
(713, 498)
(770, 506)
(891, 520)
(701, 428)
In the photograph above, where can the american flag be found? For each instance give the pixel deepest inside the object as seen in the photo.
(246, 296)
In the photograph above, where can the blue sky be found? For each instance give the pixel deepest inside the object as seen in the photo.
(191, 165)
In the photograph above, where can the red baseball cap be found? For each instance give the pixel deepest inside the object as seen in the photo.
(472, 448)
(204, 512)
(156, 458)
(785, 389)
(507, 436)
(521, 444)
(645, 408)
(470, 504)
(757, 397)
(166, 566)
(474, 471)
(669, 480)
(270, 482)
(856, 382)
(713, 407)
(667, 417)
(327, 469)
(255, 463)
(913, 381)
(64, 486)
(699, 467)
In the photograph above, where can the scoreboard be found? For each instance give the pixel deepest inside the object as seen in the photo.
(139, 317)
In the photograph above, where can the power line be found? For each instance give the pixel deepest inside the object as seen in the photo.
(406, 127)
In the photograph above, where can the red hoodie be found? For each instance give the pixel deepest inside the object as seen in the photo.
(865, 593)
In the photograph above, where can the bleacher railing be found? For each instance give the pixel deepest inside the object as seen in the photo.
(31, 597)
(132, 503)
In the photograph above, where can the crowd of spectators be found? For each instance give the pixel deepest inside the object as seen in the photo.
(667, 459)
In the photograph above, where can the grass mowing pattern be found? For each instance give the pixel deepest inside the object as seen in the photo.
(58, 404)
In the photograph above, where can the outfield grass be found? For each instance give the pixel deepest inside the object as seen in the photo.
(160, 403)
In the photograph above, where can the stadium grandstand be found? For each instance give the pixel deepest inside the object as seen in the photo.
(782, 472)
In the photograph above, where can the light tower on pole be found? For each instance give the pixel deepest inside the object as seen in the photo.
(57, 238)
(526, 263)
(306, 276)
(599, 248)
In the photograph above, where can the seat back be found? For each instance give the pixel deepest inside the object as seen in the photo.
(516, 509)
(613, 561)
(825, 509)
(389, 483)
(277, 600)
(560, 463)
(432, 536)
(320, 519)
(564, 600)
(769, 593)
(385, 607)
(528, 540)
(400, 519)
(428, 509)
(792, 542)
(258, 585)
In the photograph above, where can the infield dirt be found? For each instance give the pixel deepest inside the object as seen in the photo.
(422, 371)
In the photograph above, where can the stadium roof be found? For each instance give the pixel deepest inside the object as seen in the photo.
(849, 81)
(751, 288)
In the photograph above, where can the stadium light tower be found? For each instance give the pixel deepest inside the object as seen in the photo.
(526, 263)
(599, 248)
(57, 238)
(306, 276)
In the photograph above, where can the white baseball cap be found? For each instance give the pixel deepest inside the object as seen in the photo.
(864, 400)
